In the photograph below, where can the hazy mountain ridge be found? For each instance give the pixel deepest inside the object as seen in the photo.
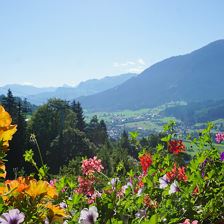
(40, 95)
(25, 90)
(197, 76)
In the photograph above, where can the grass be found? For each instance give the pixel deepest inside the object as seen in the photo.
(146, 125)
(192, 149)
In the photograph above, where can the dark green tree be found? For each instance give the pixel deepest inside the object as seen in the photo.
(10, 104)
(76, 107)
(97, 131)
(55, 127)
(124, 141)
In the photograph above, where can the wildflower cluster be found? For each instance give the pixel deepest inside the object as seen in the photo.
(92, 165)
(87, 181)
(40, 194)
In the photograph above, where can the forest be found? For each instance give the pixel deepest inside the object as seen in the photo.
(58, 131)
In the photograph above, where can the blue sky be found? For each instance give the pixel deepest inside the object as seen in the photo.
(56, 42)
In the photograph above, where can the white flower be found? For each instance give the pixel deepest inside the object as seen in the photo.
(141, 213)
(13, 216)
(163, 181)
(114, 182)
(88, 216)
(174, 187)
(139, 193)
(46, 221)
(125, 187)
(63, 205)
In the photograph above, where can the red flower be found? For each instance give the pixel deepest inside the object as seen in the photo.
(172, 174)
(178, 173)
(195, 191)
(149, 202)
(146, 161)
(176, 146)
(181, 174)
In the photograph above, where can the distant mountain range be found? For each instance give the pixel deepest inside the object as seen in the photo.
(25, 90)
(197, 76)
(40, 95)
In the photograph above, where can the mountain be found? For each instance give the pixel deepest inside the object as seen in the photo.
(24, 90)
(93, 86)
(197, 76)
(41, 95)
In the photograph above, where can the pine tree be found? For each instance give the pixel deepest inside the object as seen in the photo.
(124, 141)
(103, 130)
(97, 131)
(76, 107)
(9, 103)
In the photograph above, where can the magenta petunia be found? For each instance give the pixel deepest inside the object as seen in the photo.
(219, 137)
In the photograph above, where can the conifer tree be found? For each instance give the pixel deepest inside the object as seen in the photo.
(124, 141)
(9, 103)
(76, 107)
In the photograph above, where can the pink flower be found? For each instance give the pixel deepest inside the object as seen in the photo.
(86, 186)
(187, 221)
(219, 137)
(53, 182)
(92, 165)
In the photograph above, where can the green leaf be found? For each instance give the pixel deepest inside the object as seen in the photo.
(166, 138)
(133, 135)
(153, 219)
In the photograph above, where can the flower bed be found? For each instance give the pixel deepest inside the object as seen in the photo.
(161, 188)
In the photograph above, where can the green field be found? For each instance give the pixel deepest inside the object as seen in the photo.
(192, 148)
(148, 120)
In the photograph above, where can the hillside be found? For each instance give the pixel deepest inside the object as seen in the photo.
(196, 112)
(197, 76)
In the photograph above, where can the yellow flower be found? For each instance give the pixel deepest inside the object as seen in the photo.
(37, 188)
(51, 191)
(13, 188)
(6, 134)
(2, 168)
(5, 118)
(56, 210)
(55, 214)
(6, 129)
